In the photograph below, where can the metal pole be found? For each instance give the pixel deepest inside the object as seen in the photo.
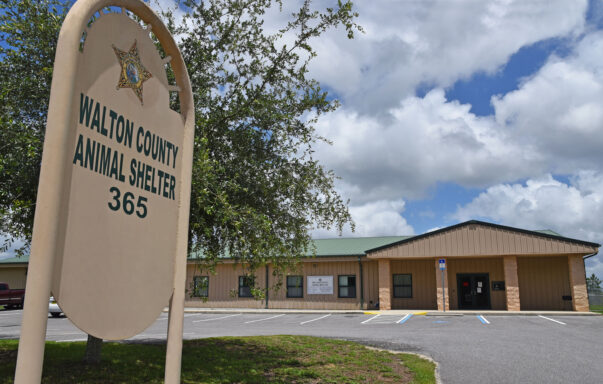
(443, 292)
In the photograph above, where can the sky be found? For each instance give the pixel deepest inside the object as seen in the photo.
(453, 110)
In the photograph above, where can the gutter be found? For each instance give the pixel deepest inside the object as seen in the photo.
(589, 256)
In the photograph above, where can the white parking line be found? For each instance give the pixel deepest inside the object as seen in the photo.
(309, 321)
(216, 318)
(267, 318)
(556, 321)
(167, 316)
(10, 314)
(483, 319)
(404, 319)
(366, 321)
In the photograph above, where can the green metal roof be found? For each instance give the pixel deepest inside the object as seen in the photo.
(15, 260)
(549, 232)
(351, 246)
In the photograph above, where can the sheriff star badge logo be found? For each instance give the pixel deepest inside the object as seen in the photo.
(133, 73)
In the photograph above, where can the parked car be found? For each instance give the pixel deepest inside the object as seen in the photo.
(53, 307)
(11, 298)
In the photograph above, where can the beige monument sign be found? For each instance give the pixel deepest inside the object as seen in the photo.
(111, 224)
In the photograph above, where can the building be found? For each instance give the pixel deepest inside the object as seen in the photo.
(488, 266)
(14, 271)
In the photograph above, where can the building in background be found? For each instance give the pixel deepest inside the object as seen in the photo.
(488, 266)
(13, 271)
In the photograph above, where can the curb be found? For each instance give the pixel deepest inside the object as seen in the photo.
(384, 313)
(436, 373)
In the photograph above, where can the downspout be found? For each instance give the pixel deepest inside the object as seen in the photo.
(361, 283)
(267, 285)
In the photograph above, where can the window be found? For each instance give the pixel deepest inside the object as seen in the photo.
(295, 286)
(245, 284)
(347, 286)
(201, 286)
(403, 286)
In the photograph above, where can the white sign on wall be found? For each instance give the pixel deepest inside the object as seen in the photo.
(320, 285)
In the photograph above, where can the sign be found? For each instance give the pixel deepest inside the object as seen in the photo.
(498, 285)
(442, 263)
(125, 165)
(320, 285)
(111, 224)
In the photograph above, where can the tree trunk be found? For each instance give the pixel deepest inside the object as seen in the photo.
(93, 350)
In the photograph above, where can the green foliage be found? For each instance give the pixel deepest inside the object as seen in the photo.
(257, 189)
(593, 284)
(28, 36)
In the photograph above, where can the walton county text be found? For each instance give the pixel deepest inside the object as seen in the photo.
(107, 161)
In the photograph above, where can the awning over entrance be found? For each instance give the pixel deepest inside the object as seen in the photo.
(483, 260)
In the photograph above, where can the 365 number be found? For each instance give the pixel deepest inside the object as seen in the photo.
(127, 203)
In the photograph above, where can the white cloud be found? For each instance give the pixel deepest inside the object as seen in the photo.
(379, 218)
(434, 42)
(559, 110)
(573, 209)
(424, 141)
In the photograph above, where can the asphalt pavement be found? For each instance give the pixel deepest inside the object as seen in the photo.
(469, 348)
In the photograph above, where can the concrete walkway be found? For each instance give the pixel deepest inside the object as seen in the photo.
(394, 312)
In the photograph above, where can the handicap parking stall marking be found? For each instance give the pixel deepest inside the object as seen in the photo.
(556, 321)
(483, 319)
(386, 319)
(404, 319)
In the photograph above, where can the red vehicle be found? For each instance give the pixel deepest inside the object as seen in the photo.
(11, 298)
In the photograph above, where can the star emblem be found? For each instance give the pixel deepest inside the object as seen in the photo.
(133, 73)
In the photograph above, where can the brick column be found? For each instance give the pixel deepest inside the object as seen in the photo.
(439, 291)
(385, 284)
(577, 277)
(511, 283)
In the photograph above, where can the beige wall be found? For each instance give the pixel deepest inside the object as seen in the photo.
(492, 266)
(542, 283)
(221, 285)
(279, 299)
(480, 240)
(423, 284)
(371, 284)
(14, 276)
(226, 279)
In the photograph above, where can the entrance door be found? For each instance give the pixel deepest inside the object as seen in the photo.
(473, 290)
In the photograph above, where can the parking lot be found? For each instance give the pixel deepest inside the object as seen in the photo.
(474, 348)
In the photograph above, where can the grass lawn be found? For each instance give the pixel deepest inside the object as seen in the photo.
(265, 359)
(596, 308)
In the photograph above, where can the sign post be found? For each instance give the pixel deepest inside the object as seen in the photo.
(111, 223)
(442, 263)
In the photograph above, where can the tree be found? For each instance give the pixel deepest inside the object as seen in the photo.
(257, 190)
(593, 284)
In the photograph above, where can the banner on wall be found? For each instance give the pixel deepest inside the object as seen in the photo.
(320, 285)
